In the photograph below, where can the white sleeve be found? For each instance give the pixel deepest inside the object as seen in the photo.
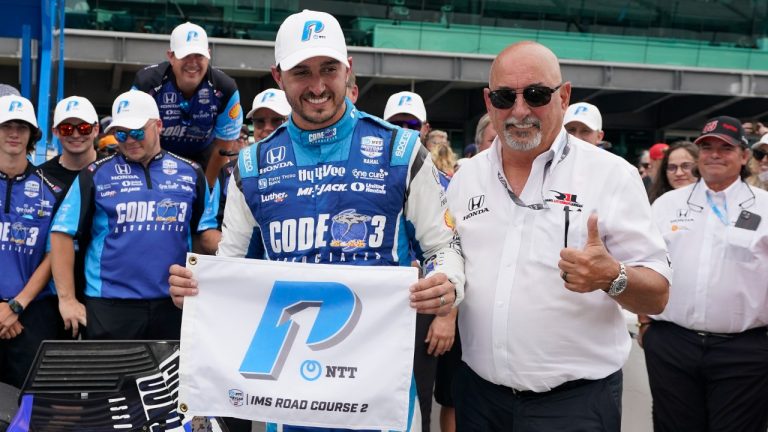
(426, 210)
(238, 224)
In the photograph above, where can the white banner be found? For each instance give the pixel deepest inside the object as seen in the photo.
(303, 344)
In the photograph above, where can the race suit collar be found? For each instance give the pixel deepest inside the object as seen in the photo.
(27, 170)
(333, 134)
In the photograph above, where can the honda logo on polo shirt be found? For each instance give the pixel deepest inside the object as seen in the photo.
(275, 155)
(682, 213)
(123, 169)
(476, 202)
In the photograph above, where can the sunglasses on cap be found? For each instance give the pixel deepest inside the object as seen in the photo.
(412, 124)
(261, 122)
(759, 154)
(122, 136)
(67, 129)
(535, 96)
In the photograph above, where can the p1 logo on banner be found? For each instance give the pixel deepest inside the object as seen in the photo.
(340, 310)
(301, 344)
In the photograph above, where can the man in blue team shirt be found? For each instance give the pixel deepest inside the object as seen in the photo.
(139, 210)
(332, 166)
(28, 313)
(199, 105)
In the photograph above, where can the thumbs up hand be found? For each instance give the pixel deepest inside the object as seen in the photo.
(590, 268)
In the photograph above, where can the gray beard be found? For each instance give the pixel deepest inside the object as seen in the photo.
(512, 143)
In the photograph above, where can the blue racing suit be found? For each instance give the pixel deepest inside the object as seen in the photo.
(139, 220)
(191, 125)
(27, 204)
(359, 192)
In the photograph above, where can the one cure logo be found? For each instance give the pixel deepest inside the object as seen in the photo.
(338, 314)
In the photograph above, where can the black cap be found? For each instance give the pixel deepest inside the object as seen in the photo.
(725, 128)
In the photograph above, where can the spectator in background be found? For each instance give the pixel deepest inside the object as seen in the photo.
(406, 109)
(583, 120)
(758, 164)
(656, 154)
(484, 134)
(270, 109)
(435, 138)
(28, 312)
(6, 90)
(677, 169)
(199, 105)
(443, 157)
(352, 90)
(754, 130)
(707, 352)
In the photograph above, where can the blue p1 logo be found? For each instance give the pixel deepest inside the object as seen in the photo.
(71, 105)
(404, 100)
(192, 35)
(267, 96)
(15, 105)
(339, 312)
(122, 105)
(310, 27)
(581, 109)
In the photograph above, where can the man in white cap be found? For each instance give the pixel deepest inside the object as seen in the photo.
(76, 125)
(139, 207)
(406, 109)
(270, 109)
(28, 312)
(326, 131)
(199, 104)
(583, 120)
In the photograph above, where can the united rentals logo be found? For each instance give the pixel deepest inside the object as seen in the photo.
(564, 199)
(476, 206)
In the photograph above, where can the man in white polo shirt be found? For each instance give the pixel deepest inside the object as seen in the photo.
(556, 236)
(707, 353)
(583, 120)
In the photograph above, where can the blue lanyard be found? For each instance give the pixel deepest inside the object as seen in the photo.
(716, 210)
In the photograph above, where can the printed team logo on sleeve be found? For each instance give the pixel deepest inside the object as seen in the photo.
(449, 221)
(234, 112)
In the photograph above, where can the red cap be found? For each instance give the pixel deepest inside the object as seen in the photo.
(657, 151)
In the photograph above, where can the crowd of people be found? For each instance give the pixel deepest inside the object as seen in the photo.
(531, 244)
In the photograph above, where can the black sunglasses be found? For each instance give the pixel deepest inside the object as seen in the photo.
(759, 154)
(412, 124)
(535, 96)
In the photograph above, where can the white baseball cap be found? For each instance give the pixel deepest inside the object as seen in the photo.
(273, 99)
(585, 113)
(189, 39)
(74, 107)
(405, 103)
(309, 34)
(14, 107)
(132, 110)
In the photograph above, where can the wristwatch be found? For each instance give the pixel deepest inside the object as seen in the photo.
(620, 283)
(15, 306)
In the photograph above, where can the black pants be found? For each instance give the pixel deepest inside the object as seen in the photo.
(447, 364)
(702, 382)
(116, 319)
(581, 405)
(424, 369)
(41, 321)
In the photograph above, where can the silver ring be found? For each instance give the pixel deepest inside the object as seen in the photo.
(442, 300)
(564, 275)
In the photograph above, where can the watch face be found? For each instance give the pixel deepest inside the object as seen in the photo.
(16, 307)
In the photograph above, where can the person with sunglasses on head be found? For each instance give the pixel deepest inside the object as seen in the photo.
(406, 109)
(707, 352)
(328, 141)
(199, 104)
(76, 125)
(143, 206)
(758, 164)
(557, 237)
(28, 200)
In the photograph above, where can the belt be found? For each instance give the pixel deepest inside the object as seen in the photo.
(568, 385)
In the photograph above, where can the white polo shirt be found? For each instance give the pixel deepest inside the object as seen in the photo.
(721, 271)
(520, 327)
